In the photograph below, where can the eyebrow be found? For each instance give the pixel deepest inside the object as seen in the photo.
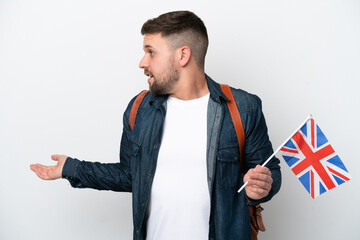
(148, 46)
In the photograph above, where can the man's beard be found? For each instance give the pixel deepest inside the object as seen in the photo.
(165, 83)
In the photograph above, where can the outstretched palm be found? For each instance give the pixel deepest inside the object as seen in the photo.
(50, 172)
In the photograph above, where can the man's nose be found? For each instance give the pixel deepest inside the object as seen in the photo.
(144, 63)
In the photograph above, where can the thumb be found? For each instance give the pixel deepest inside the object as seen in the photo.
(59, 158)
(55, 157)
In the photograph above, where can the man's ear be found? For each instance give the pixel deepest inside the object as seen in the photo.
(184, 55)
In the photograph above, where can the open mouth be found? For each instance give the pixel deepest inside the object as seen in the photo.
(149, 75)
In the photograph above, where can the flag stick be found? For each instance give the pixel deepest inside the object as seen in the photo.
(278, 149)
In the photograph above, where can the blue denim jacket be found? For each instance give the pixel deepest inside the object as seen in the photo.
(229, 217)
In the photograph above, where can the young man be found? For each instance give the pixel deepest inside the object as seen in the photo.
(181, 161)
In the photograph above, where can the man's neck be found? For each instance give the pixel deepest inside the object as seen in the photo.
(190, 86)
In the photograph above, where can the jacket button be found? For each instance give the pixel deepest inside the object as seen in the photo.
(149, 176)
(143, 205)
(155, 147)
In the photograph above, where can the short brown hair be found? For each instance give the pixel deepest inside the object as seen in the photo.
(181, 28)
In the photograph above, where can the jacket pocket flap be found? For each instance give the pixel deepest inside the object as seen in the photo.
(228, 155)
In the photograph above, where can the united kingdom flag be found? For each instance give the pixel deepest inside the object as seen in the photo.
(313, 160)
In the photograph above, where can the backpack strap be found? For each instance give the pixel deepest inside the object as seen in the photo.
(135, 108)
(256, 222)
(236, 119)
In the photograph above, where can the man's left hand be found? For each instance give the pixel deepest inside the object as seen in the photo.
(259, 182)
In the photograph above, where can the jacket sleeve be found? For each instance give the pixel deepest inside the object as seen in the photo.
(103, 176)
(258, 148)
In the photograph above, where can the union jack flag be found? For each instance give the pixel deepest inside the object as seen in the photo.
(313, 160)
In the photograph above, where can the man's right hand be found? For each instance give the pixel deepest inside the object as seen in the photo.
(50, 172)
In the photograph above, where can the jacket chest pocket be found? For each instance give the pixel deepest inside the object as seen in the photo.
(228, 167)
(133, 150)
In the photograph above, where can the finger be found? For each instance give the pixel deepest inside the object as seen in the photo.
(36, 167)
(261, 174)
(254, 178)
(41, 175)
(261, 192)
(41, 172)
(262, 181)
(261, 177)
(260, 184)
(33, 166)
(255, 192)
(263, 170)
(248, 175)
(55, 157)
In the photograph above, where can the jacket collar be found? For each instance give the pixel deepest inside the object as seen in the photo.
(215, 90)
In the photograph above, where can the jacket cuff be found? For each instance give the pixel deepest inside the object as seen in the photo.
(252, 201)
(70, 168)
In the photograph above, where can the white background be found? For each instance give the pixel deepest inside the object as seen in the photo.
(69, 68)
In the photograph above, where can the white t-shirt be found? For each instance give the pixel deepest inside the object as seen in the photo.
(179, 206)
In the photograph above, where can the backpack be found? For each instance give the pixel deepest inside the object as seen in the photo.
(254, 211)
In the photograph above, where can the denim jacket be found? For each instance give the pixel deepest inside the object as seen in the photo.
(229, 216)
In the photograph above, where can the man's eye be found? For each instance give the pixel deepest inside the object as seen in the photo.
(151, 53)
